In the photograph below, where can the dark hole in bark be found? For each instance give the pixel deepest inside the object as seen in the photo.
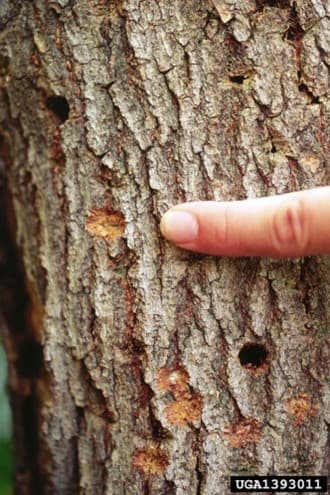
(169, 487)
(4, 65)
(295, 31)
(80, 412)
(137, 346)
(281, 4)
(237, 79)
(30, 360)
(59, 106)
(253, 355)
(158, 431)
(274, 149)
(304, 89)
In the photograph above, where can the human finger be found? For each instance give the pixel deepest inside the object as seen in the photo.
(293, 224)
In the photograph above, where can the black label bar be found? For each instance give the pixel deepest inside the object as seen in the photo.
(278, 484)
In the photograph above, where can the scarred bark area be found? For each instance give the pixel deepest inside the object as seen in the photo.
(163, 371)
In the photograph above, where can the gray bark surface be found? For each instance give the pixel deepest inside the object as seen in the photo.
(138, 381)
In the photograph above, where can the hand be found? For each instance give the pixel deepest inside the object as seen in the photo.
(293, 224)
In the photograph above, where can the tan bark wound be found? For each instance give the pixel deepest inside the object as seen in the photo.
(301, 408)
(150, 461)
(107, 225)
(310, 161)
(243, 432)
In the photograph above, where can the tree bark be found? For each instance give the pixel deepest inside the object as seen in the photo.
(136, 367)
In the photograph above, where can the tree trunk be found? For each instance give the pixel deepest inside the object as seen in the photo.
(137, 367)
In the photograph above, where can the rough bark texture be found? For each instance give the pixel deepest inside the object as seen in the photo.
(137, 367)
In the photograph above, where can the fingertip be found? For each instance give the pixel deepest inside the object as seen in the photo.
(179, 226)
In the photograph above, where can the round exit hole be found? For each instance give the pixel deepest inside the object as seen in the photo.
(253, 355)
(59, 106)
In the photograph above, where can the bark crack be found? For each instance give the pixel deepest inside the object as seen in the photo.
(21, 334)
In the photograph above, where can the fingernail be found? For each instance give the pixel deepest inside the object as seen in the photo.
(179, 226)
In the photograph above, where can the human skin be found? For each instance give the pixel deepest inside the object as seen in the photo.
(287, 225)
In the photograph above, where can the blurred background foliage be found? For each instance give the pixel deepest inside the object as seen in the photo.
(5, 431)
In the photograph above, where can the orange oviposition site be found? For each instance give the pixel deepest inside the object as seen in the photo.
(301, 408)
(243, 432)
(150, 461)
(184, 411)
(174, 380)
